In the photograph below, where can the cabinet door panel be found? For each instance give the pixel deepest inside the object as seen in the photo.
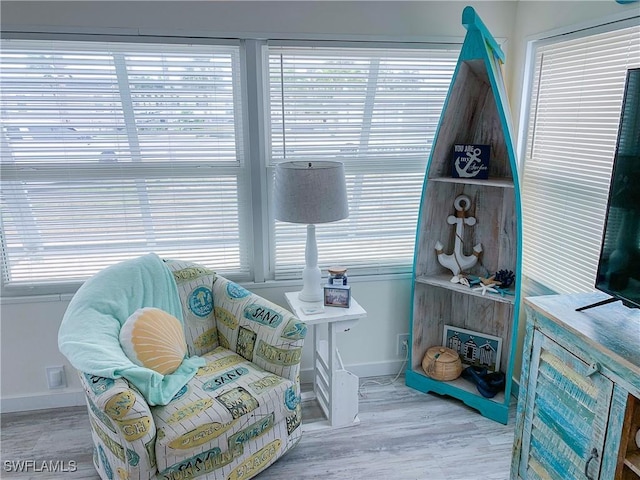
(566, 414)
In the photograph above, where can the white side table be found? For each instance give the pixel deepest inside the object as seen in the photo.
(335, 388)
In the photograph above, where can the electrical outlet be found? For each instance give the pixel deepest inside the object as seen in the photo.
(403, 344)
(56, 377)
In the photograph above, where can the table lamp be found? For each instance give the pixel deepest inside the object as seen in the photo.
(310, 193)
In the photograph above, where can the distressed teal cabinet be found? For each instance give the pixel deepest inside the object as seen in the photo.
(578, 406)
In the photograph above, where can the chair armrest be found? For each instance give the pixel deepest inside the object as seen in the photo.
(121, 420)
(261, 331)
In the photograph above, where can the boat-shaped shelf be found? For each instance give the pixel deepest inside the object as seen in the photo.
(475, 113)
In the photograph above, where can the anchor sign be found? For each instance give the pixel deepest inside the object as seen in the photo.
(471, 161)
(458, 262)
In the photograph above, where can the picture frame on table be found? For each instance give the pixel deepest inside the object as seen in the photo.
(474, 348)
(337, 296)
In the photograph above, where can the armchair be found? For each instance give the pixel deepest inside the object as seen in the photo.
(233, 417)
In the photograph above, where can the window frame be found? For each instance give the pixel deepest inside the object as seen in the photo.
(582, 31)
(239, 167)
(361, 270)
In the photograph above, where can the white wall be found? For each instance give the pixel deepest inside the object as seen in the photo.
(328, 19)
(29, 333)
(29, 329)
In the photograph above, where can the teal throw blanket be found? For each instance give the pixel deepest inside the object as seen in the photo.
(89, 333)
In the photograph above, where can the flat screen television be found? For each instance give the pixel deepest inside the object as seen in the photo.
(619, 264)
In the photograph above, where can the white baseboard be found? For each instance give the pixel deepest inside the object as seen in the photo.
(42, 401)
(74, 399)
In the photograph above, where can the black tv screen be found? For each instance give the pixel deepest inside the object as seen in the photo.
(619, 264)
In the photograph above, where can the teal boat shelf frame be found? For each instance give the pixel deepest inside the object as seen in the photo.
(475, 112)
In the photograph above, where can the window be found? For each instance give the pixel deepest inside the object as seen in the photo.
(113, 150)
(574, 113)
(376, 110)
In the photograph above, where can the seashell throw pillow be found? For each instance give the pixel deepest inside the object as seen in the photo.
(154, 339)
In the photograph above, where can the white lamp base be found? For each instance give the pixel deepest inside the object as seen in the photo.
(311, 290)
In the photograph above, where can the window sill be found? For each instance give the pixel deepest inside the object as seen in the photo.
(251, 286)
(37, 298)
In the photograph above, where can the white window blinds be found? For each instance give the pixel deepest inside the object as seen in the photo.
(113, 150)
(376, 110)
(571, 140)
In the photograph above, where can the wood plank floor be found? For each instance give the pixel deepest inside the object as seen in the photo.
(403, 434)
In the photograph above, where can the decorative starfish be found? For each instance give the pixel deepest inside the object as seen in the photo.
(487, 285)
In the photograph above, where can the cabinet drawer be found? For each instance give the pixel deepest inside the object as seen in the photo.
(565, 415)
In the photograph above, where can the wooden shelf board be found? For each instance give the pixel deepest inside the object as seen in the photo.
(491, 182)
(632, 461)
(443, 281)
(467, 386)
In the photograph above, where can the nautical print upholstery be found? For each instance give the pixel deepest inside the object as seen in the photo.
(234, 418)
(229, 406)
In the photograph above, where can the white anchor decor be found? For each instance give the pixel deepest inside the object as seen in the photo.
(458, 262)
